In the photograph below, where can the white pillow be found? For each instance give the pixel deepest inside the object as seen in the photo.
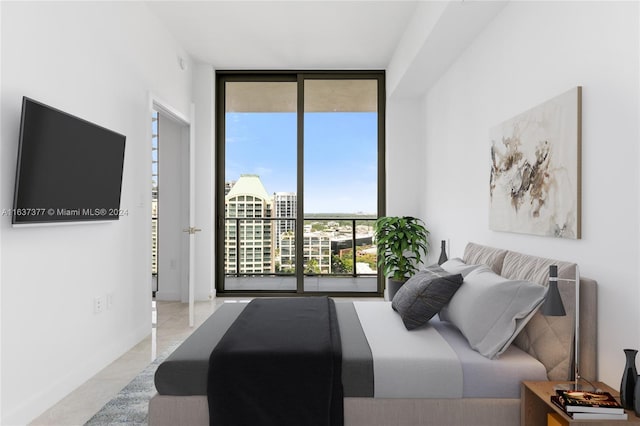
(457, 266)
(490, 310)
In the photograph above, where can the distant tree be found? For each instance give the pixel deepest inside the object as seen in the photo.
(343, 264)
(368, 258)
(318, 227)
(312, 267)
(285, 269)
(338, 266)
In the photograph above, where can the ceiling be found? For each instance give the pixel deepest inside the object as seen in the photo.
(301, 34)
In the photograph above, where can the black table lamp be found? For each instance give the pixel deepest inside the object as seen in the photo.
(553, 306)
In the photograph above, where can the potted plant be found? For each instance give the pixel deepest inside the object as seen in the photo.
(401, 242)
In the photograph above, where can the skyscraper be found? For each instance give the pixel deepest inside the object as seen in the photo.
(247, 236)
(285, 205)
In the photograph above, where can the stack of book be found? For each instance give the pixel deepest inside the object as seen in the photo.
(582, 405)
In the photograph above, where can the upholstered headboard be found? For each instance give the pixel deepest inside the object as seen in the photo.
(549, 339)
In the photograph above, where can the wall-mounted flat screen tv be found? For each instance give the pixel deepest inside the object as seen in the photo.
(69, 170)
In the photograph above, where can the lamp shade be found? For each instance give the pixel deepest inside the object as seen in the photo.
(553, 306)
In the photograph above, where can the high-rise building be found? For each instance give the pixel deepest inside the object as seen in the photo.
(154, 235)
(247, 235)
(154, 197)
(228, 186)
(285, 205)
(317, 252)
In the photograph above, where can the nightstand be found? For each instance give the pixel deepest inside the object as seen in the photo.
(535, 403)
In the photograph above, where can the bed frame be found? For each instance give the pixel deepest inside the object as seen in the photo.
(549, 339)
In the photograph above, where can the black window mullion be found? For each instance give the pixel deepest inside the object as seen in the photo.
(299, 241)
(382, 191)
(219, 223)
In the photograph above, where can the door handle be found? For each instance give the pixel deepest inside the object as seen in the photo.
(192, 230)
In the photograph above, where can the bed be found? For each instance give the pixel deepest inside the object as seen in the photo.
(385, 367)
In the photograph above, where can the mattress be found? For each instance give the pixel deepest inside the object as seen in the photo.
(486, 378)
(371, 367)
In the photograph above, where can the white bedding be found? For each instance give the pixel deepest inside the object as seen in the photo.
(436, 361)
(491, 378)
(415, 364)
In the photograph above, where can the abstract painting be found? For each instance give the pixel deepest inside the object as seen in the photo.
(535, 179)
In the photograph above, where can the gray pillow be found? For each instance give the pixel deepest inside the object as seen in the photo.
(490, 310)
(424, 294)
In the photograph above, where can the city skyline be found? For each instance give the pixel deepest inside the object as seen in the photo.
(340, 157)
(255, 246)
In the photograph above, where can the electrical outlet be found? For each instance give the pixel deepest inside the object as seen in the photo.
(98, 305)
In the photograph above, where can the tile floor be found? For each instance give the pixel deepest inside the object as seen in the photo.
(171, 327)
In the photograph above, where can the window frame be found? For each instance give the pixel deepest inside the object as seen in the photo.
(298, 76)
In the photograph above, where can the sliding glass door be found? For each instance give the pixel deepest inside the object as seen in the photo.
(340, 184)
(299, 181)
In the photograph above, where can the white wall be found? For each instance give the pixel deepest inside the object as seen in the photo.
(99, 61)
(530, 53)
(404, 157)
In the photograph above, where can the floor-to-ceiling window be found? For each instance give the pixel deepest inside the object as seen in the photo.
(299, 181)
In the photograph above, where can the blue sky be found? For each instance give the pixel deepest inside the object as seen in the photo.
(340, 157)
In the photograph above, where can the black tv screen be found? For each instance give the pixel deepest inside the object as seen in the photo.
(69, 170)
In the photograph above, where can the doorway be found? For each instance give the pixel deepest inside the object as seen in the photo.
(172, 208)
(174, 194)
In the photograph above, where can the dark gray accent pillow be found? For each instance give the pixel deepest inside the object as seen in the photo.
(424, 294)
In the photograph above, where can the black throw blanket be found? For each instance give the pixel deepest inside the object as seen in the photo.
(279, 364)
